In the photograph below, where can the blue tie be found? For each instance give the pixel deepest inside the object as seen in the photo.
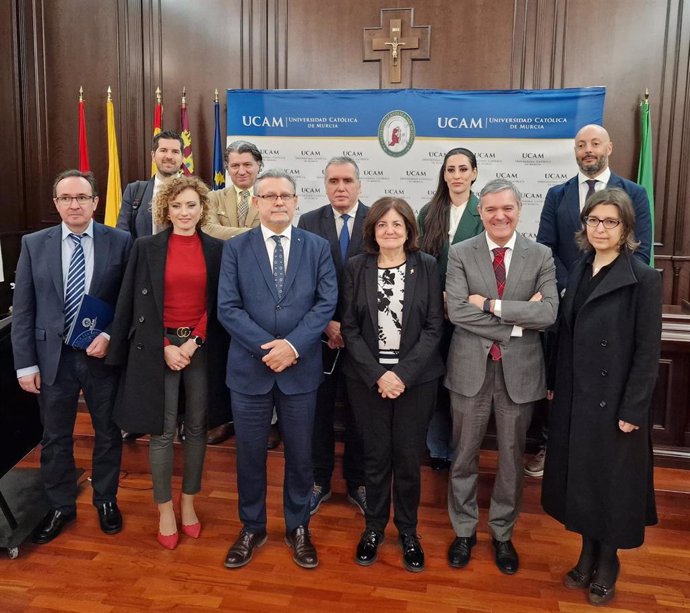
(344, 239)
(278, 265)
(76, 281)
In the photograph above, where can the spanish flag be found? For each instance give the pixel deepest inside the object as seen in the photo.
(114, 189)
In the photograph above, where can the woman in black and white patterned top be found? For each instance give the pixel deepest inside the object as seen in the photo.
(392, 323)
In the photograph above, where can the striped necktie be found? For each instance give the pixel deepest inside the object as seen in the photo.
(76, 281)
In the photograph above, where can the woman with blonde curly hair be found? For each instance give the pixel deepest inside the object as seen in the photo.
(167, 337)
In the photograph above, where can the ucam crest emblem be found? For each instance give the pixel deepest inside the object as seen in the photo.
(396, 133)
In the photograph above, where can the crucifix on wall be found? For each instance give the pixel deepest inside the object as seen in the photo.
(395, 43)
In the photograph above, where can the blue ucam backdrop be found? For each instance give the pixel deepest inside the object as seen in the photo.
(399, 137)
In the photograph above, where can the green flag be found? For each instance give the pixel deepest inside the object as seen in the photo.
(645, 169)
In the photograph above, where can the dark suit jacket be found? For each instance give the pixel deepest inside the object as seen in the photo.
(137, 222)
(322, 223)
(560, 220)
(38, 320)
(137, 335)
(422, 324)
(252, 313)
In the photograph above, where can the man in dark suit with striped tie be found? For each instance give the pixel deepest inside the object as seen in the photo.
(57, 267)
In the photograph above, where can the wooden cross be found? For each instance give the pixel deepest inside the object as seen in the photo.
(399, 36)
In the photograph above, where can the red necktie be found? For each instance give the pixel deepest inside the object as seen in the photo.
(500, 272)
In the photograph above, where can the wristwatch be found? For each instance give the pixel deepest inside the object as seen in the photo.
(487, 306)
(198, 341)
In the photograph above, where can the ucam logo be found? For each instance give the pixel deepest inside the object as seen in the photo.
(532, 156)
(312, 153)
(436, 154)
(457, 123)
(415, 173)
(555, 175)
(261, 121)
(394, 192)
(396, 133)
(270, 152)
(353, 154)
(372, 173)
(506, 175)
(532, 196)
(310, 190)
(486, 156)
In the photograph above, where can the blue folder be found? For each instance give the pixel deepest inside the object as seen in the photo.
(93, 317)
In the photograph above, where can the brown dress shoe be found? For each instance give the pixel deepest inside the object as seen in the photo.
(221, 433)
(243, 549)
(273, 436)
(304, 551)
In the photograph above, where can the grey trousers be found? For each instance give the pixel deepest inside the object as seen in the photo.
(195, 417)
(470, 419)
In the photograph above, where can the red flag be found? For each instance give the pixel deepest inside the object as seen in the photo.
(83, 145)
(187, 158)
(157, 123)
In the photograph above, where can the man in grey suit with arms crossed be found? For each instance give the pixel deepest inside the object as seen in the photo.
(57, 267)
(501, 291)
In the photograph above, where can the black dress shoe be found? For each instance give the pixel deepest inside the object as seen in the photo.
(51, 526)
(273, 437)
(304, 552)
(576, 580)
(368, 547)
(221, 433)
(109, 517)
(601, 593)
(460, 551)
(358, 496)
(129, 437)
(439, 464)
(506, 557)
(413, 555)
(243, 549)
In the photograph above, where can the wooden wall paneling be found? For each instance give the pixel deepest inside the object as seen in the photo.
(471, 44)
(325, 44)
(276, 44)
(34, 120)
(202, 49)
(609, 51)
(14, 209)
(74, 57)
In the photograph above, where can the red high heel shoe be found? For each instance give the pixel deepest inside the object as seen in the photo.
(193, 530)
(169, 541)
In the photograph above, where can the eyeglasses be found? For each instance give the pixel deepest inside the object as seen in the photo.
(82, 200)
(273, 198)
(608, 223)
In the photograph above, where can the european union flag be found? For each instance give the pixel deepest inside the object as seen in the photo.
(218, 181)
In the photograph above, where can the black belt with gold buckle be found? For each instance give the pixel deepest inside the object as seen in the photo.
(181, 332)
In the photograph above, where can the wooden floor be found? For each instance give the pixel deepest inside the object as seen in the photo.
(85, 570)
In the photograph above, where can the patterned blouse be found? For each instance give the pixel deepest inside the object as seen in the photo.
(389, 296)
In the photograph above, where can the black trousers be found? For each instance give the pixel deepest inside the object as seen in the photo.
(323, 440)
(394, 434)
(58, 405)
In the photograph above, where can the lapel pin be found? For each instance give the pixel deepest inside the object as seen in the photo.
(411, 271)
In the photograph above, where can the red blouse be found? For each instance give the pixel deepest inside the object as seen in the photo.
(184, 303)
